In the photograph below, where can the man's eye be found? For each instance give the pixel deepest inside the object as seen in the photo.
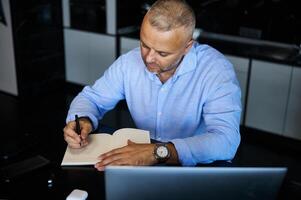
(144, 46)
(163, 54)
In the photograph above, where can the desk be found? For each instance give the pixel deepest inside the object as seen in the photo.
(35, 185)
(56, 182)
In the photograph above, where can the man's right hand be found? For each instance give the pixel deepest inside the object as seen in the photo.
(75, 140)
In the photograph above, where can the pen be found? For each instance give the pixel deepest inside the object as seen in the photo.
(77, 127)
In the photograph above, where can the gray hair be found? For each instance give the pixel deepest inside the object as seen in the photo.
(166, 15)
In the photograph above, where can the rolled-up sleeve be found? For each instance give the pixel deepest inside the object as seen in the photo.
(94, 101)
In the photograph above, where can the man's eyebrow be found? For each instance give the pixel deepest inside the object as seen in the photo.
(143, 43)
(154, 49)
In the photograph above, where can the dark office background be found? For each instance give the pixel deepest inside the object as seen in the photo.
(32, 121)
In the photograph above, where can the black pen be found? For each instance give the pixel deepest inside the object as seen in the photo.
(77, 127)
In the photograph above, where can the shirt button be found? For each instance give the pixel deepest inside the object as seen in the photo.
(159, 113)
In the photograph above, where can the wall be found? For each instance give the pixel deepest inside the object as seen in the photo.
(8, 79)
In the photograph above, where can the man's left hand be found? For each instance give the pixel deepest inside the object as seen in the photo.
(132, 154)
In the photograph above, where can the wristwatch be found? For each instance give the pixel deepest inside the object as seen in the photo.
(161, 152)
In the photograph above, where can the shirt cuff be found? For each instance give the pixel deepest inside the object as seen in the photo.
(184, 153)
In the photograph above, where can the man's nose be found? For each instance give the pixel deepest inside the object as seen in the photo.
(150, 56)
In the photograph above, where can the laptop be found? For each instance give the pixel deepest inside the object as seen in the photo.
(185, 183)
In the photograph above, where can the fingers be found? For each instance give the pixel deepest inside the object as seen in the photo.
(119, 156)
(121, 150)
(71, 137)
(86, 128)
(130, 142)
(115, 159)
(132, 154)
(110, 153)
(70, 134)
(74, 139)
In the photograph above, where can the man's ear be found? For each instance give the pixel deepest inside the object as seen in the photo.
(188, 46)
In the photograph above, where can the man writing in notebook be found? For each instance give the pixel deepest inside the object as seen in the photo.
(184, 93)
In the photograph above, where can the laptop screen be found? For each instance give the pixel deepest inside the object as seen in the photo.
(125, 182)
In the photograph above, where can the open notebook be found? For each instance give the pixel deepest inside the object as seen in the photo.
(101, 143)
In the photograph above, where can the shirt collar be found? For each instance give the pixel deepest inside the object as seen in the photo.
(188, 63)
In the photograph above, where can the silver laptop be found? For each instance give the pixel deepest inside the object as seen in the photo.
(185, 183)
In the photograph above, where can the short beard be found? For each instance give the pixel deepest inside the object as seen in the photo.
(171, 67)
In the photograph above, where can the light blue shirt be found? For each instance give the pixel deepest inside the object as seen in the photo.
(197, 109)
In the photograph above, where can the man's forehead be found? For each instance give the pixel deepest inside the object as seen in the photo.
(165, 41)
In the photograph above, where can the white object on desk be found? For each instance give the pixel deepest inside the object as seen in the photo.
(77, 195)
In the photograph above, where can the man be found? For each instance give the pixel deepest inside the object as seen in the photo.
(184, 93)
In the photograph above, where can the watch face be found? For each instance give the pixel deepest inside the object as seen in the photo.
(162, 151)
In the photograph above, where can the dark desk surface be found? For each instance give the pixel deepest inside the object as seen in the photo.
(56, 182)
